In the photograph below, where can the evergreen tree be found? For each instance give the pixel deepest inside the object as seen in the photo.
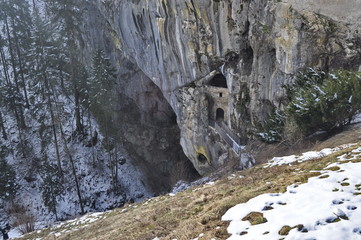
(17, 18)
(101, 82)
(10, 95)
(47, 56)
(51, 187)
(100, 86)
(68, 15)
(8, 185)
(324, 101)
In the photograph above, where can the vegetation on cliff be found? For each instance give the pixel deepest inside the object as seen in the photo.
(316, 101)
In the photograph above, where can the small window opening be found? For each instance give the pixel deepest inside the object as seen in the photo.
(220, 95)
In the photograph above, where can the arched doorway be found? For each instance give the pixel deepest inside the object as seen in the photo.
(219, 114)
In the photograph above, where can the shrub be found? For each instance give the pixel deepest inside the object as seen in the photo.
(316, 101)
(21, 218)
(324, 101)
(271, 129)
(292, 133)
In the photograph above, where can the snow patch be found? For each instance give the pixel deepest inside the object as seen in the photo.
(311, 155)
(326, 207)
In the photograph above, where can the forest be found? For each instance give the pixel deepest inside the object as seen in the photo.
(49, 101)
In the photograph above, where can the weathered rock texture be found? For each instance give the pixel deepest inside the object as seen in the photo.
(142, 118)
(257, 45)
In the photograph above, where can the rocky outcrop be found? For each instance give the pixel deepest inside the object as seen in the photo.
(180, 45)
(142, 119)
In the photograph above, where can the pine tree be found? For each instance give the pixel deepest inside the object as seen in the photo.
(8, 184)
(324, 101)
(101, 83)
(68, 15)
(18, 22)
(51, 188)
(10, 94)
(46, 53)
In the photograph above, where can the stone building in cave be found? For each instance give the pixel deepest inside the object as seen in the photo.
(218, 110)
(208, 99)
(218, 98)
(216, 95)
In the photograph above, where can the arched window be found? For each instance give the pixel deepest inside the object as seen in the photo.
(219, 114)
(219, 81)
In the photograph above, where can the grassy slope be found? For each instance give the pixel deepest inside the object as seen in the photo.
(199, 210)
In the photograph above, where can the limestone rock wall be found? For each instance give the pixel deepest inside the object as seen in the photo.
(257, 45)
(142, 120)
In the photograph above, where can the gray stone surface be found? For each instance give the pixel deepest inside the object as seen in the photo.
(258, 45)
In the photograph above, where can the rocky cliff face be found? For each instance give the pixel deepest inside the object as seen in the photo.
(143, 120)
(168, 51)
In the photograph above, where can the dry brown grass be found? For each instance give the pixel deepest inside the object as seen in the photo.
(194, 211)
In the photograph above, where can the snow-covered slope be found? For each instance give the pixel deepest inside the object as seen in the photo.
(327, 207)
(92, 166)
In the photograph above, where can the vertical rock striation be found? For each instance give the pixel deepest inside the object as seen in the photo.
(173, 49)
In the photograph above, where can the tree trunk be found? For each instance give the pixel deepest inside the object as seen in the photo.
(22, 123)
(20, 115)
(12, 58)
(53, 120)
(3, 127)
(73, 64)
(77, 186)
(91, 137)
(21, 68)
(116, 167)
(12, 102)
(22, 145)
(79, 126)
(3, 60)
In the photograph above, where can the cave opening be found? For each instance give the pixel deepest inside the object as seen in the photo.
(219, 80)
(201, 158)
(152, 136)
(247, 61)
(219, 114)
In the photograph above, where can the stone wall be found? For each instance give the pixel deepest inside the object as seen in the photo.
(218, 98)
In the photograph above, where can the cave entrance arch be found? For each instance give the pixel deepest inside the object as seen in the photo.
(219, 80)
(219, 114)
